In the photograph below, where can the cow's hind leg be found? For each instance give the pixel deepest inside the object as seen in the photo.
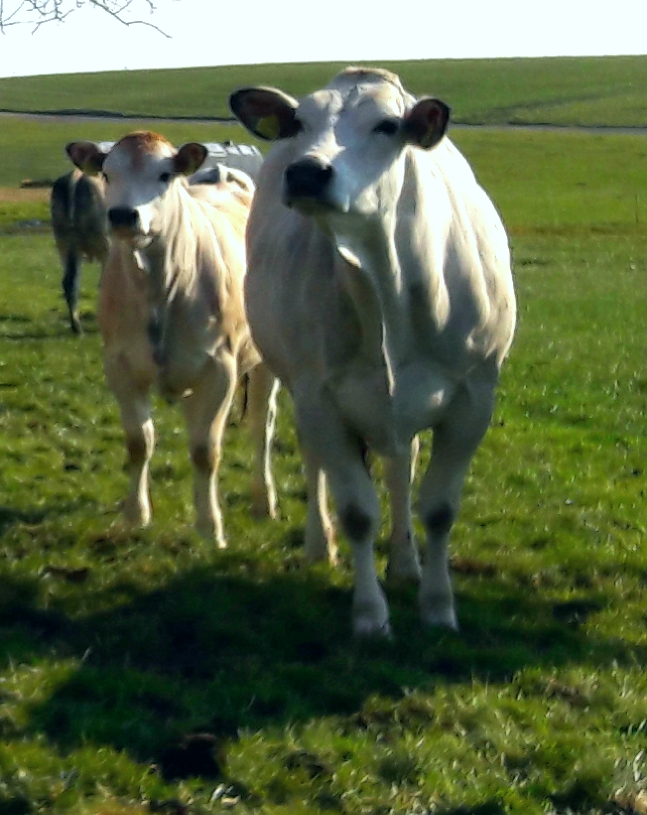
(358, 509)
(206, 410)
(262, 392)
(71, 284)
(455, 440)
(134, 404)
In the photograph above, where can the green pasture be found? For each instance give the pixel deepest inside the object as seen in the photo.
(561, 90)
(144, 672)
(541, 180)
(35, 148)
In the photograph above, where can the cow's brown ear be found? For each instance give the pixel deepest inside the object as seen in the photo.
(426, 123)
(265, 112)
(190, 158)
(86, 156)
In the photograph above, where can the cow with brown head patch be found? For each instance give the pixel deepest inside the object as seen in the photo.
(171, 311)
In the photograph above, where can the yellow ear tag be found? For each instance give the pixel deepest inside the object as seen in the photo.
(269, 127)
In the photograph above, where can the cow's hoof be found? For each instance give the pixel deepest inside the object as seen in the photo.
(403, 574)
(263, 506)
(136, 517)
(321, 551)
(371, 620)
(365, 632)
(440, 618)
(210, 534)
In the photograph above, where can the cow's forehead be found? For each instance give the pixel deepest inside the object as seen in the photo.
(361, 90)
(137, 148)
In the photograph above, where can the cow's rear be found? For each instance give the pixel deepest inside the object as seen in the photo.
(80, 231)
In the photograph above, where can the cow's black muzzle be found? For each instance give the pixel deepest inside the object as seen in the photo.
(123, 219)
(309, 178)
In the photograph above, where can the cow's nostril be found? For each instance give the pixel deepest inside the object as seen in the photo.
(123, 218)
(308, 178)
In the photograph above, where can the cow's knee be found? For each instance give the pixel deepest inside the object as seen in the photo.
(440, 520)
(356, 522)
(203, 457)
(137, 449)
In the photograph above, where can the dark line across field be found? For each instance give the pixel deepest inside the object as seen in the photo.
(63, 115)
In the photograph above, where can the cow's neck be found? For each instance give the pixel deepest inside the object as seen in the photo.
(161, 289)
(373, 256)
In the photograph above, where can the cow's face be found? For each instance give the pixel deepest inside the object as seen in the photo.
(138, 171)
(347, 140)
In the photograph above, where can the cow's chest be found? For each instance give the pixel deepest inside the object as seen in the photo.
(158, 343)
(387, 408)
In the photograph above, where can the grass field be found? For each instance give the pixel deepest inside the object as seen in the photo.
(573, 91)
(145, 673)
(33, 149)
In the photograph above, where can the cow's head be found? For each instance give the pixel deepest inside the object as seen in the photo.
(347, 140)
(139, 170)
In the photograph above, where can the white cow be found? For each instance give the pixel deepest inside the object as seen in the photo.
(171, 311)
(379, 290)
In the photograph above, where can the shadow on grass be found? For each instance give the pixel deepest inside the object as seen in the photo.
(214, 652)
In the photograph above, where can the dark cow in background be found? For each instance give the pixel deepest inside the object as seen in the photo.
(80, 228)
(79, 218)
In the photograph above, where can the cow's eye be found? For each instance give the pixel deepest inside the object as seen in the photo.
(165, 178)
(387, 127)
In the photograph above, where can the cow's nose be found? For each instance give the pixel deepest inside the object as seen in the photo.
(123, 218)
(308, 178)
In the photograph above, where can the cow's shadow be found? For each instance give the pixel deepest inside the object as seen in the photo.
(215, 653)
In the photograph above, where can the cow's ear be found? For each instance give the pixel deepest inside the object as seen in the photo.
(86, 156)
(189, 158)
(425, 124)
(265, 112)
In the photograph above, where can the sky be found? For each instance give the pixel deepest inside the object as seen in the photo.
(222, 32)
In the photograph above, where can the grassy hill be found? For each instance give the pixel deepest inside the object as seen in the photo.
(564, 91)
(144, 672)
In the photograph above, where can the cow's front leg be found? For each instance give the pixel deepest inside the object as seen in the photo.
(404, 563)
(134, 404)
(340, 453)
(262, 392)
(320, 544)
(206, 410)
(455, 440)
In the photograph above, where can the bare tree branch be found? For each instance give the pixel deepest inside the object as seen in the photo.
(37, 13)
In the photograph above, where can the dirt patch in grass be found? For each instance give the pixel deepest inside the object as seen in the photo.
(12, 195)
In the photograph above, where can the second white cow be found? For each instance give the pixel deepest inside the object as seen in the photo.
(171, 311)
(379, 290)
